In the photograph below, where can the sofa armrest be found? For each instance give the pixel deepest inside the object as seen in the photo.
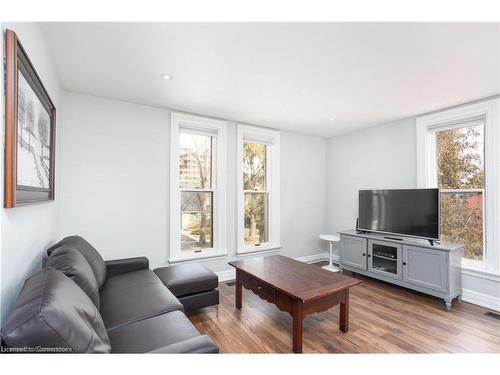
(117, 266)
(199, 344)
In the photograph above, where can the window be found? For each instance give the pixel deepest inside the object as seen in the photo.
(258, 189)
(255, 194)
(197, 181)
(457, 152)
(196, 185)
(460, 178)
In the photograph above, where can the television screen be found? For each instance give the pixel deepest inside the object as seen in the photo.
(411, 212)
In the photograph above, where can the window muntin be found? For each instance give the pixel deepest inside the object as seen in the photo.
(460, 177)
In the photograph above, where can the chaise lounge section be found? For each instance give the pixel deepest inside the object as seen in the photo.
(80, 303)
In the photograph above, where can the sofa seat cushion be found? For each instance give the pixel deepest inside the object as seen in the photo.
(133, 296)
(89, 252)
(187, 279)
(153, 333)
(73, 264)
(51, 311)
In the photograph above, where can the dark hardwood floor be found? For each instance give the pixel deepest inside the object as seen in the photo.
(383, 319)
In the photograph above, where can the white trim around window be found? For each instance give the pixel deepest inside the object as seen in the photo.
(271, 139)
(426, 126)
(217, 129)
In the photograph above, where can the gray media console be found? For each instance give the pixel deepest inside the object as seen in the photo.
(414, 264)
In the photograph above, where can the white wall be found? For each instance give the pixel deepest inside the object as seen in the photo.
(115, 178)
(374, 158)
(380, 157)
(27, 231)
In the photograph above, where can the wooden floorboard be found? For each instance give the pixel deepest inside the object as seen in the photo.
(384, 318)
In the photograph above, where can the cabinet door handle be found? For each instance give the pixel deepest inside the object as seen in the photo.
(369, 255)
(364, 254)
(404, 263)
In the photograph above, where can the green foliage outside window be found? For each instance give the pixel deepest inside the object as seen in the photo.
(460, 166)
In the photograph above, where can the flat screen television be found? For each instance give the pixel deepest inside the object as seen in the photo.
(405, 212)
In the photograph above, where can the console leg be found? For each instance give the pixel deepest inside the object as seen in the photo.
(447, 301)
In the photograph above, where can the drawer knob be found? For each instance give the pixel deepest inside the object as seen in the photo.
(364, 254)
(404, 263)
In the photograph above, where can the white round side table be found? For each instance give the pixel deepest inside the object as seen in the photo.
(331, 238)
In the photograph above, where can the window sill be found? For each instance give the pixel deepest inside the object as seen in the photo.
(265, 250)
(196, 258)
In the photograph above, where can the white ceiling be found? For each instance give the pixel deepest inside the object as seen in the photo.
(291, 76)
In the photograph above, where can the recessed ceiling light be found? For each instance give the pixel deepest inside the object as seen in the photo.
(168, 77)
(331, 118)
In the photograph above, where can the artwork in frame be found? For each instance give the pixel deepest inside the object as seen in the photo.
(30, 118)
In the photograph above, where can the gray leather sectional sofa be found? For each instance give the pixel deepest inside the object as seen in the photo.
(80, 303)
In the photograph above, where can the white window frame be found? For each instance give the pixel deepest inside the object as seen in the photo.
(218, 129)
(271, 139)
(426, 127)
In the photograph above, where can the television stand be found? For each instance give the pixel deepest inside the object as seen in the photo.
(434, 268)
(394, 238)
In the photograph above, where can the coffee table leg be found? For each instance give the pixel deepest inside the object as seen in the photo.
(297, 326)
(344, 312)
(238, 290)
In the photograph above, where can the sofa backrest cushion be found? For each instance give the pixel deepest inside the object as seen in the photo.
(73, 264)
(51, 311)
(89, 252)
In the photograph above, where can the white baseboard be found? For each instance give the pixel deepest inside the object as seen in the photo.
(313, 258)
(227, 275)
(480, 299)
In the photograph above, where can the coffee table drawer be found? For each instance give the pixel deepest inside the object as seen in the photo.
(262, 290)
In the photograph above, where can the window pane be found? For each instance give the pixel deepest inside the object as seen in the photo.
(256, 218)
(254, 166)
(196, 220)
(195, 161)
(462, 222)
(460, 158)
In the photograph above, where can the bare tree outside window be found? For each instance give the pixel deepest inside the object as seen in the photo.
(460, 173)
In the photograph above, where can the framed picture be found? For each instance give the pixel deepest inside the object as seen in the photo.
(30, 125)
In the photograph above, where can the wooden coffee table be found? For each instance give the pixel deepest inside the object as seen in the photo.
(295, 287)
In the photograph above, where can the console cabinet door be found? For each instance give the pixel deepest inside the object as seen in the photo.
(353, 252)
(384, 258)
(425, 267)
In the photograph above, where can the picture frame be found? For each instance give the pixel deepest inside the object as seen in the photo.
(30, 126)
